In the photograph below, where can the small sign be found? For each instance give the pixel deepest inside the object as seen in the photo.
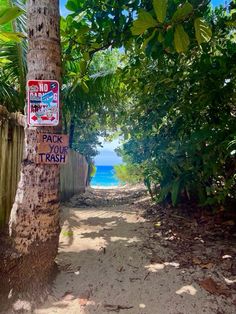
(43, 103)
(52, 148)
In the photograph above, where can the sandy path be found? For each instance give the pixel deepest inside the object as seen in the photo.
(105, 267)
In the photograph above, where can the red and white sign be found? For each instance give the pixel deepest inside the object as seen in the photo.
(43, 103)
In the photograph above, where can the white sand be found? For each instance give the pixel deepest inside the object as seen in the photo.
(106, 268)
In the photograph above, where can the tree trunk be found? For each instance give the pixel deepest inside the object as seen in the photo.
(34, 223)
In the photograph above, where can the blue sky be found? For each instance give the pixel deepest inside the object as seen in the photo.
(217, 2)
(107, 156)
(64, 11)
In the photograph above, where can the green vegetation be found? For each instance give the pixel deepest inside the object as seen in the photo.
(13, 46)
(182, 123)
(159, 73)
(128, 173)
(7, 15)
(93, 170)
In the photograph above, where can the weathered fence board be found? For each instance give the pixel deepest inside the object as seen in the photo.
(73, 175)
(11, 149)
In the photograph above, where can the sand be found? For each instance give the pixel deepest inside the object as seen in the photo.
(105, 267)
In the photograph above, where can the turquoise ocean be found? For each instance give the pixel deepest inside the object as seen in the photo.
(105, 176)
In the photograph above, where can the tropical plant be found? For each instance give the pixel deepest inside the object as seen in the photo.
(181, 124)
(91, 109)
(7, 15)
(129, 173)
(13, 56)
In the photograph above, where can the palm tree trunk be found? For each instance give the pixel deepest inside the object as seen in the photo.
(34, 223)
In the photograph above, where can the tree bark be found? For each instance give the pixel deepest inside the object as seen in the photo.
(34, 223)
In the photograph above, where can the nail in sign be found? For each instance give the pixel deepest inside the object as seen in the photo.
(43, 103)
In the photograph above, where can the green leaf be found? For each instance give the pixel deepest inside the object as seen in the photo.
(160, 37)
(95, 45)
(79, 17)
(4, 61)
(181, 39)
(144, 21)
(175, 191)
(84, 86)
(160, 8)
(83, 29)
(231, 23)
(146, 41)
(165, 190)
(182, 12)
(67, 233)
(202, 31)
(8, 36)
(83, 66)
(9, 14)
(72, 5)
(86, 56)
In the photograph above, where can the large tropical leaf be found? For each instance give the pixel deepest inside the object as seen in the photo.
(144, 22)
(181, 39)
(182, 12)
(13, 60)
(9, 14)
(12, 20)
(160, 7)
(202, 31)
(11, 36)
(175, 191)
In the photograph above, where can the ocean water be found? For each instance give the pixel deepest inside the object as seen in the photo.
(105, 176)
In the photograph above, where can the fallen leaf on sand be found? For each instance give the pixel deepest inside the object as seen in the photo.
(196, 261)
(211, 286)
(66, 293)
(83, 298)
(207, 266)
(120, 269)
(134, 279)
(83, 302)
(68, 297)
(117, 308)
(203, 265)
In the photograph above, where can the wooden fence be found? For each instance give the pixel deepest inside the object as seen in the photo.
(11, 149)
(73, 175)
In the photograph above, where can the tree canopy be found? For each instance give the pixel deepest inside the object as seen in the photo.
(161, 74)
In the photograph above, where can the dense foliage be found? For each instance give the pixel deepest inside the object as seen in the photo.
(88, 111)
(182, 125)
(161, 73)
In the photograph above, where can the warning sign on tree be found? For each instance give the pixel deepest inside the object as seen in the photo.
(43, 103)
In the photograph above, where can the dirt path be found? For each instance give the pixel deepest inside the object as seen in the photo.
(106, 267)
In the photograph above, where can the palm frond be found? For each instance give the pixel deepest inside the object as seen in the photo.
(13, 69)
